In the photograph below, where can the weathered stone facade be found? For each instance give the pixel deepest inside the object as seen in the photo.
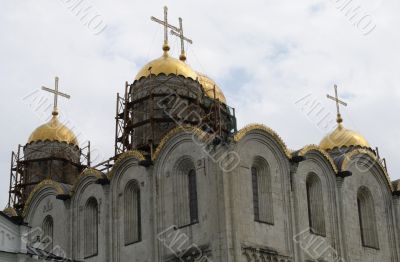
(156, 105)
(50, 160)
(185, 185)
(226, 229)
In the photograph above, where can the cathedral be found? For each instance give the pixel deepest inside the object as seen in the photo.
(185, 184)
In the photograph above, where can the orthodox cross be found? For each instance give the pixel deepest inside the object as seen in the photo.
(165, 24)
(338, 103)
(56, 94)
(183, 38)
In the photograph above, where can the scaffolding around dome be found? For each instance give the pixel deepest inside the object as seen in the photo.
(23, 159)
(52, 152)
(154, 105)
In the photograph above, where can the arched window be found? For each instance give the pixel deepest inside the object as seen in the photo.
(132, 214)
(366, 213)
(91, 221)
(47, 228)
(316, 214)
(262, 191)
(186, 193)
(192, 187)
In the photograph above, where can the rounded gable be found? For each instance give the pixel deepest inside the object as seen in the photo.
(260, 128)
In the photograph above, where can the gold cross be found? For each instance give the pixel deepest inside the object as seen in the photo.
(56, 94)
(183, 38)
(166, 26)
(338, 102)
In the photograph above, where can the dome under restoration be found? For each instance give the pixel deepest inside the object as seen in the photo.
(208, 87)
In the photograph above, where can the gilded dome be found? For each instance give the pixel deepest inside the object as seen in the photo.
(208, 87)
(342, 137)
(54, 130)
(167, 65)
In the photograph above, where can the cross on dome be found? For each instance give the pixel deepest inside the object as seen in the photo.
(183, 38)
(166, 25)
(338, 103)
(56, 94)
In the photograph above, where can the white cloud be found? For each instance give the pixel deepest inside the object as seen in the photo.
(265, 55)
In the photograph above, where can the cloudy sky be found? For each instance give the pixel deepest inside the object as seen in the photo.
(275, 61)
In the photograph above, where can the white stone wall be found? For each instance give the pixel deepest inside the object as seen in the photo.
(10, 239)
(46, 204)
(206, 234)
(226, 230)
(13, 242)
(315, 164)
(89, 188)
(383, 209)
(143, 250)
(246, 231)
(396, 221)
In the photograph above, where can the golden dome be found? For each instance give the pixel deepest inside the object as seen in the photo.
(343, 137)
(54, 130)
(208, 87)
(167, 65)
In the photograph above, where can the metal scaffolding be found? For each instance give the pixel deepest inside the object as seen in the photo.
(18, 180)
(219, 117)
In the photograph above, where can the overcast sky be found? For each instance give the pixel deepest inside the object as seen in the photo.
(273, 60)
